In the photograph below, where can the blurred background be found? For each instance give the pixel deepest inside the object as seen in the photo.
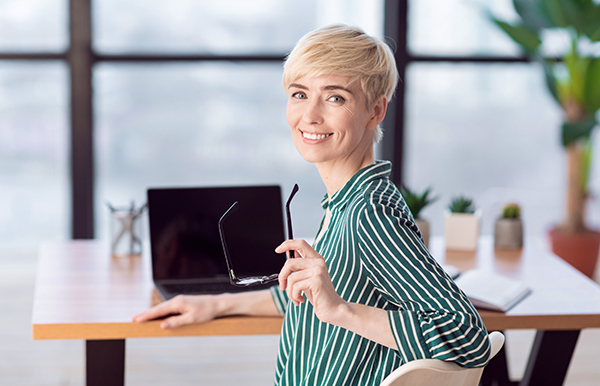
(188, 93)
(486, 129)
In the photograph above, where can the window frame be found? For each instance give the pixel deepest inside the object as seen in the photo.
(81, 58)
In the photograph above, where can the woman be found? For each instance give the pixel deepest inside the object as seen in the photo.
(376, 297)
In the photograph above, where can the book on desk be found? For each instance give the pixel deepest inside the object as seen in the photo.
(492, 291)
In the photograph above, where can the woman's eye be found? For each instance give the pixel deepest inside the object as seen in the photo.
(299, 95)
(336, 98)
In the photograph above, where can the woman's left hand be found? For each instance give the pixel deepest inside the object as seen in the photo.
(309, 275)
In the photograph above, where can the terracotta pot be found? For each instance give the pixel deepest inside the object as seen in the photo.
(508, 233)
(423, 226)
(578, 249)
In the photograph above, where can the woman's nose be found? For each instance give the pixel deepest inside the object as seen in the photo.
(313, 113)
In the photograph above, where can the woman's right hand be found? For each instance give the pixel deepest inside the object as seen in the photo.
(188, 309)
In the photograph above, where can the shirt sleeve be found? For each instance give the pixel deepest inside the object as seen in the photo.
(280, 298)
(429, 315)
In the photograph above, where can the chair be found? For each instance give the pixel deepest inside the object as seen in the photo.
(436, 372)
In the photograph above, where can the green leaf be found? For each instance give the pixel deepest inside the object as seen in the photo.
(574, 12)
(595, 36)
(552, 10)
(532, 17)
(592, 87)
(416, 202)
(592, 23)
(577, 67)
(526, 38)
(586, 163)
(575, 130)
(551, 81)
(462, 204)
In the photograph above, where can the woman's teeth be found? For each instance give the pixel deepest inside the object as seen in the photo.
(315, 136)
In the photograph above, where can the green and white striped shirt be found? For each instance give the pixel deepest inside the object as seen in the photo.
(375, 256)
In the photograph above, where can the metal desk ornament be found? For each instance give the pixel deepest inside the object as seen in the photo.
(126, 229)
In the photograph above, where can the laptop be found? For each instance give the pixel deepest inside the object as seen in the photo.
(186, 250)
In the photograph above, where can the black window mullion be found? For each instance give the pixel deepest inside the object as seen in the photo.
(395, 28)
(82, 158)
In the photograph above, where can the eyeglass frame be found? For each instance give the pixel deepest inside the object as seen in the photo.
(253, 280)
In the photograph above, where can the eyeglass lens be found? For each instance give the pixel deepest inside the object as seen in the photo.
(248, 281)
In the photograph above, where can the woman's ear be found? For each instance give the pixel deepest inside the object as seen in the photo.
(377, 112)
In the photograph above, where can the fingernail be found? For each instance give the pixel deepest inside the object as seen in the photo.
(165, 325)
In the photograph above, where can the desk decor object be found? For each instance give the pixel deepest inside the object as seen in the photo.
(461, 225)
(492, 291)
(126, 229)
(573, 80)
(416, 202)
(508, 229)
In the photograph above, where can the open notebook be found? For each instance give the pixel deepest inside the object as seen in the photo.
(490, 290)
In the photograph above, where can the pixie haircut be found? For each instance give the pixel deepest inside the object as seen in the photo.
(346, 51)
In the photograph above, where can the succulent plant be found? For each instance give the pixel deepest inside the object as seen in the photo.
(511, 210)
(416, 202)
(462, 204)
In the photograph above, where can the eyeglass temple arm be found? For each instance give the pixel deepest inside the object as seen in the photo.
(231, 209)
(289, 216)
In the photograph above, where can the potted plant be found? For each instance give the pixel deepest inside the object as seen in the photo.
(574, 82)
(416, 202)
(461, 225)
(508, 229)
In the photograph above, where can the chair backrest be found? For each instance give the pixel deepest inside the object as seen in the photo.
(435, 372)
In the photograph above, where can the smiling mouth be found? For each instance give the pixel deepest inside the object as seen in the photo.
(315, 136)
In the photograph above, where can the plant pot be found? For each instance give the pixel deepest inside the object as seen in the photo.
(508, 233)
(579, 249)
(461, 231)
(423, 226)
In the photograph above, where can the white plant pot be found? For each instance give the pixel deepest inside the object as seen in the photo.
(423, 226)
(461, 230)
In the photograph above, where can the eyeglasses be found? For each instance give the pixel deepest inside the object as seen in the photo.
(253, 280)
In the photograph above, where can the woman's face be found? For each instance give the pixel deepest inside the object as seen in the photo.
(329, 118)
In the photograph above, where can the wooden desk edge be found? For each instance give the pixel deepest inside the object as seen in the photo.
(498, 321)
(238, 325)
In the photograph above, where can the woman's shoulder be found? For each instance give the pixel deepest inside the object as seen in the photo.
(381, 195)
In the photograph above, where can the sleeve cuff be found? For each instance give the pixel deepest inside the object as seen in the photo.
(408, 335)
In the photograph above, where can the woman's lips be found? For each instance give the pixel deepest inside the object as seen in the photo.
(314, 136)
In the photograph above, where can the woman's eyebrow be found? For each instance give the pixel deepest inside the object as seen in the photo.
(297, 85)
(336, 87)
(329, 87)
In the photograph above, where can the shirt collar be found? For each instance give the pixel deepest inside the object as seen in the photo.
(380, 169)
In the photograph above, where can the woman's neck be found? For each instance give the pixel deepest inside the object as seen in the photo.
(336, 173)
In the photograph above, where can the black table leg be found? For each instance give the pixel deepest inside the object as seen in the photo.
(105, 362)
(550, 358)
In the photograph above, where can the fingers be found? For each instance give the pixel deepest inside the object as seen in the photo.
(291, 266)
(296, 284)
(176, 321)
(298, 245)
(172, 306)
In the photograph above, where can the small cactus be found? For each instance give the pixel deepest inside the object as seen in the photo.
(511, 210)
(462, 205)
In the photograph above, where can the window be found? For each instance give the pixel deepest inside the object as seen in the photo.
(206, 121)
(34, 197)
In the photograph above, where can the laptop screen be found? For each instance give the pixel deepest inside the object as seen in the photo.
(184, 233)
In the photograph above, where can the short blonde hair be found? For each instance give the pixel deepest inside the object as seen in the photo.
(346, 51)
